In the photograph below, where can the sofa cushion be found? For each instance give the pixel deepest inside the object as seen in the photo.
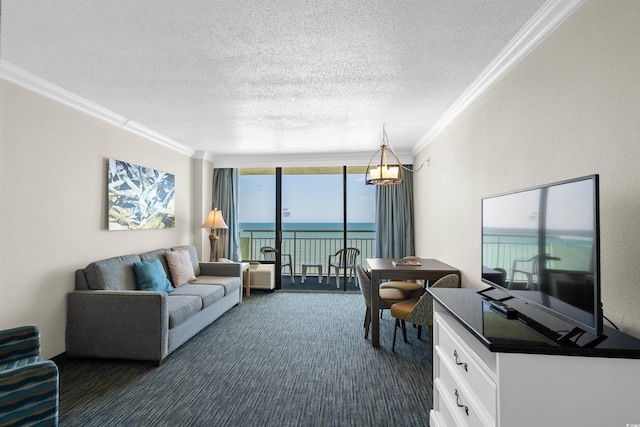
(180, 267)
(193, 254)
(209, 294)
(150, 276)
(157, 254)
(81, 280)
(182, 307)
(113, 274)
(230, 284)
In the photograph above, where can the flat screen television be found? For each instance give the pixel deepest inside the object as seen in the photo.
(541, 245)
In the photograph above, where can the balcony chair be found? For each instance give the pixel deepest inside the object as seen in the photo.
(528, 267)
(269, 254)
(388, 297)
(343, 259)
(419, 311)
(28, 384)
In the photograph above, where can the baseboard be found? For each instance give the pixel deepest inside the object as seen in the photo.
(61, 359)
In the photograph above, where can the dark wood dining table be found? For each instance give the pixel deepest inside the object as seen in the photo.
(384, 268)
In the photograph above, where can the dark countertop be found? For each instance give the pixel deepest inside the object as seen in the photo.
(522, 335)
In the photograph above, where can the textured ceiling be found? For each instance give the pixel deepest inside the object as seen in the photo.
(294, 77)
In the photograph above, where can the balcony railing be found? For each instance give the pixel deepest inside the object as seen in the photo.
(308, 245)
(501, 250)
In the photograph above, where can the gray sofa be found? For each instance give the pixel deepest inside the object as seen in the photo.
(108, 317)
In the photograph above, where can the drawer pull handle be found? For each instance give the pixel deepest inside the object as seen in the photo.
(460, 405)
(458, 362)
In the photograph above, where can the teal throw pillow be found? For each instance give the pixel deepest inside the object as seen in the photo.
(150, 276)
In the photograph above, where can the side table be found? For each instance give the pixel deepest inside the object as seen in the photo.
(316, 265)
(246, 279)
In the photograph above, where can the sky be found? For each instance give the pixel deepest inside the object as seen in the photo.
(305, 198)
(570, 207)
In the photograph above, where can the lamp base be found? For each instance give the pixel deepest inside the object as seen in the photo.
(213, 240)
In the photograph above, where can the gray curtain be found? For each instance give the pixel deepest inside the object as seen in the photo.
(394, 219)
(225, 198)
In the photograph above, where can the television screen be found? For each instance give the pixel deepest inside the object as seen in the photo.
(541, 245)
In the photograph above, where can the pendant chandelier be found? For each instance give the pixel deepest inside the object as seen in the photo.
(383, 173)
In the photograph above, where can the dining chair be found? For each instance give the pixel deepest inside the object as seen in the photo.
(344, 259)
(410, 289)
(269, 254)
(419, 311)
(388, 297)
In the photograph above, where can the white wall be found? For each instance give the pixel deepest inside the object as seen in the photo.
(570, 108)
(202, 203)
(53, 214)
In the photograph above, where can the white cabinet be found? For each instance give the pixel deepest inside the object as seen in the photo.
(465, 389)
(476, 387)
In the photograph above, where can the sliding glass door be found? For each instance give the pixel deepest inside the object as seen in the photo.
(308, 214)
(312, 221)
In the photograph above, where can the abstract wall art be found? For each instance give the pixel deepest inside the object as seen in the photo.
(140, 198)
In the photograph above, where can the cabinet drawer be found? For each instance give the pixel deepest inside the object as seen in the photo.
(441, 416)
(485, 358)
(465, 406)
(464, 366)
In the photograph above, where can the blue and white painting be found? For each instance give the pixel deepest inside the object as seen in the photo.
(140, 198)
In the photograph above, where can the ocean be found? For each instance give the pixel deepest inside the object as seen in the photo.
(571, 249)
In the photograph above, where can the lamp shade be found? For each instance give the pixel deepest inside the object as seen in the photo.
(383, 173)
(215, 220)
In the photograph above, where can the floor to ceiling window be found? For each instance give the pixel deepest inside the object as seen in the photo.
(321, 210)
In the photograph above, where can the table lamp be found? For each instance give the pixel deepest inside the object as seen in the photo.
(214, 221)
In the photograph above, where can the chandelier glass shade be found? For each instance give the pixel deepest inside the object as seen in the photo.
(383, 172)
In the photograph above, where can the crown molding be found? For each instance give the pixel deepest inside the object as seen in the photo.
(542, 24)
(204, 155)
(29, 81)
(284, 160)
(158, 138)
(307, 159)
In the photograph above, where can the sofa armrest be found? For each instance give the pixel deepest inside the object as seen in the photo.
(18, 343)
(117, 324)
(227, 269)
(29, 395)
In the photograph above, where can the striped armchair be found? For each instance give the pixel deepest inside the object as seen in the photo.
(28, 384)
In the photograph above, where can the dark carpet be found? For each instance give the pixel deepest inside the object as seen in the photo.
(312, 283)
(278, 359)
